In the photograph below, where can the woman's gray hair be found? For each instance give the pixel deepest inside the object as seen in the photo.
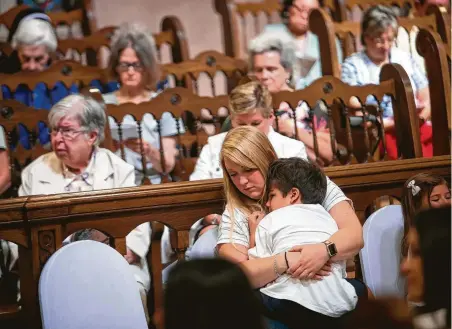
(89, 113)
(35, 32)
(140, 39)
(376, 20)
(281, 42)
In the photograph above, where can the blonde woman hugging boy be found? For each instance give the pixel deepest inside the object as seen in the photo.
(295, 191)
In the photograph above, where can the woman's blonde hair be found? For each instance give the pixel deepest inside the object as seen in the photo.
(250, 97)
(248, 148)
(415, 190)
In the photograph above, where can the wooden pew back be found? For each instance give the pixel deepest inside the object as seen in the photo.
(7, 18)
(237, 31)
(66, 72)
(39, 224)
(430, 46)
(190, 110)
(336, 95)
(13, 114)
(189, 73)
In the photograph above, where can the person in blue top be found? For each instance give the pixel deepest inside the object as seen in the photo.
(379, 28)
(34, 41)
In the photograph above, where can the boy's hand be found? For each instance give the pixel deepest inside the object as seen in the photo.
(254, 220)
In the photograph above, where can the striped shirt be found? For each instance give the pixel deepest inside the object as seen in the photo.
(359, 70)
(238, 232)
(2, 138)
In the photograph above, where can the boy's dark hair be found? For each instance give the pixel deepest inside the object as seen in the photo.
(307, 177)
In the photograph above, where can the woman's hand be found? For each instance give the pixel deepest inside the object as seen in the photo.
(131, 257)
(312, 262)
(134, 145)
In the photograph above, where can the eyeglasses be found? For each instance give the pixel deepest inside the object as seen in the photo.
(66, 133)
(381, 41)
(124, 66)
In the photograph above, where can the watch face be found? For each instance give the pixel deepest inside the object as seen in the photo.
(332, 249)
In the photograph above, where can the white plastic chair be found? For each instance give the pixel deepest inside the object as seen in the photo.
(89, 285)
(380, 258)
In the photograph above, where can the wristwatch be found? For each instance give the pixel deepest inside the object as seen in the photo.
(330, 248)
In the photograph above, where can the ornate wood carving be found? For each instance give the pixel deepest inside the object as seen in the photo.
(47, 245)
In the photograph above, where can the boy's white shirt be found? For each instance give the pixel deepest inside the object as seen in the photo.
(296, 225)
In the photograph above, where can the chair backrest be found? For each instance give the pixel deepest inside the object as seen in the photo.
(235, 16)
(13, 117)
(430, 46)
(66, 72)
(74, 48)
(353, 7)
(189, 110)
(82, 15)
(349, 35)
(97, 291)
(7, 18)
(172, 33)
(381, 255)
(187, 73)
(336, 96)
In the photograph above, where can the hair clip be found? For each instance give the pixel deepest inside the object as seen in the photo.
(414, 188)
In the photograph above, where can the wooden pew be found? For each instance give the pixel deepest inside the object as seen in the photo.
(349, 34)
(336, 95)
(83, 15)
(172, 33)
(233, 16)
(349, 6)
(187, 73)
(430, 46)
(66, 72)
(40, 223)
(7, 18)
(182, 104)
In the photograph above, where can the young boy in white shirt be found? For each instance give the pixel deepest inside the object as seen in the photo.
(295, 190)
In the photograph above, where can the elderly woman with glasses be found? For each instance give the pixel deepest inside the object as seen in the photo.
(134, 64)
(77, 163)
(378, 34)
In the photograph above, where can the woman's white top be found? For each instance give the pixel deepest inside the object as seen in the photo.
(297, 225)
(149, 132)
(45, 176)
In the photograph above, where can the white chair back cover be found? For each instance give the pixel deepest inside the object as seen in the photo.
(381, 255)
(89, 285)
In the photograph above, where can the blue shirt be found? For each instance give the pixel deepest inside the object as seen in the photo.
(359, 70)
(44, 98)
